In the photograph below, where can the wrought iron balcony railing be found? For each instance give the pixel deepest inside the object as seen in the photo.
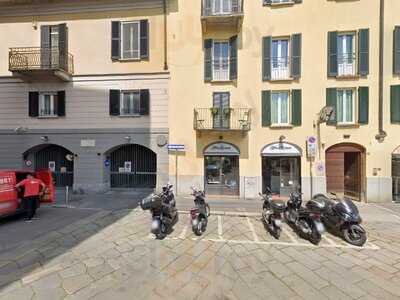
(346, 64)
(222, 119)
(280, 68)
(221, 7)
(40, 59)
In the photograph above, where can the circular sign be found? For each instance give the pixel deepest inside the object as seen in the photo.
(107, 162)
(312, 139)
(28, 163)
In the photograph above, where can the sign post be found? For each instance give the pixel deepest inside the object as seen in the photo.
(176, 148)
(311, 153)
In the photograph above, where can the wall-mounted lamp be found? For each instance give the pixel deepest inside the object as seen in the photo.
(282, 138)
(127, 139)
(44, 138)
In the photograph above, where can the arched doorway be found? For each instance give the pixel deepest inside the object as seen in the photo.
(396, 174)
(133, 166)
(54, 157)
(221, 169)
(281, 168)
(345, 170)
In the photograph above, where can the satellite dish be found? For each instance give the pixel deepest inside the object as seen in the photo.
(326, 114)
(69, 157)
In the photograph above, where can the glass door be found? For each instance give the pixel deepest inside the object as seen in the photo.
(222, 175)
(396, 177)
(221, 111)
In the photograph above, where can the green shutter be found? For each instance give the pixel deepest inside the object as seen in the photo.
(363, 52)
(296, 107)
(208, 60)
(332, 54)
(266, 58)
(363, 105)
(233, 58)
(395, 103)
(396, 51)
(331, 100)
(266, 108)
(296, 56)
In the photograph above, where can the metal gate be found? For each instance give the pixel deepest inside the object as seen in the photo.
(133, 166)
(54, 157)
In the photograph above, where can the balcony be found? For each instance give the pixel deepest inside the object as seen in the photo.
(280, 68)
(41, 64)
(347, 65)
(222, 119)
(222, 13)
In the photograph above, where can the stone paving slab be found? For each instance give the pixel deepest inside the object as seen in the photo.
(111, 255)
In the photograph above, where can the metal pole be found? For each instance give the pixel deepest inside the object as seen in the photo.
(176, 171)
(311, 179)
(67, 196)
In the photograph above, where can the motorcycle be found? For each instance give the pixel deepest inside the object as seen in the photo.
(272, 214)
(341, 216)
(305, 220)
(163, 210)
(200, 213)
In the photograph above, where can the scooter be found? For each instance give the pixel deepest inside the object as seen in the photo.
(341, 217)
(163, 210)
(200, 213)
(272, 214)
(306, 221)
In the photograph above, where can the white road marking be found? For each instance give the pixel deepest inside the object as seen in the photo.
(387, 209)
(291, 236)
(251, 226)
(331, 242)
(183, 233)
(220, 227)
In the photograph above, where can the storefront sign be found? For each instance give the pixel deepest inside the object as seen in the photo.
(176, 147)
(222, 149)
(311, 146)
(281, 149)
(88, 143)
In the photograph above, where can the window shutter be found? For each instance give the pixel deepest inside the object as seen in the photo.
(332, 54)
(331, 100)
(363, 52)
(363, 105)
(115, 40)
(266, 108)
(144, 39)
(144, 102)
(296, 108)
(45, 46)
(115, 98)
(60, 106)
(233, 58)
(266, 58)
(396, 51)
(395, 103)
(63, 45)
(296, 55)
(33, 104)
(208, 60)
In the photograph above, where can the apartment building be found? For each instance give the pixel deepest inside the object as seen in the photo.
(286, 94)
(84, 91)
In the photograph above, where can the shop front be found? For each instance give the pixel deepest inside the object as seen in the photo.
(281, 168)
(396, 175)
(221, 169)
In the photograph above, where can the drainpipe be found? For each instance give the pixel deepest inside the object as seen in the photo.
(165, 36)
(382, 134)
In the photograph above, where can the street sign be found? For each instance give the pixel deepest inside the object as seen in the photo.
(311, 146)
(176, 147)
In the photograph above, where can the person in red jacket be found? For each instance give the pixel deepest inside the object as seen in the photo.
(33, 189)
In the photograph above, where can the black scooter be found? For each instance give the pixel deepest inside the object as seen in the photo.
(341, 217)
(272, 214)
(163, 210)
(200, 213)
(306, 221)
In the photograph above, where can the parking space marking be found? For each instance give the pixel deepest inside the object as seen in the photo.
(220, 227)
(291, 236)
(330, 242)
(183, 233)
(253, 231)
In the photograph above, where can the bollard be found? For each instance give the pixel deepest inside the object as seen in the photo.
(67, 196)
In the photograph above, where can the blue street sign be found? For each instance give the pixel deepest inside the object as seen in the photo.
(176, 147)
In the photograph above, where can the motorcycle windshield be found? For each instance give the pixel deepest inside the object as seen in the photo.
(348, 207)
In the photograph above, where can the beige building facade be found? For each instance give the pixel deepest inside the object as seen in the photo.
(259, 127)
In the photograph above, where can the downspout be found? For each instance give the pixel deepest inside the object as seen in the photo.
(380, 137)
(165, 36)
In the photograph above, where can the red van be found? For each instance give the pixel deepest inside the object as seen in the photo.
(11, 199)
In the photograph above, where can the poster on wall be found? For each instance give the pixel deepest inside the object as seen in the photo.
(128, 166)
(52, 166)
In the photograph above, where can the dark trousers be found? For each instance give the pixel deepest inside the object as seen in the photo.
(31, 206)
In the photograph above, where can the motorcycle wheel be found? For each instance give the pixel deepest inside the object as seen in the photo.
(208, 210)
(354, 235)
(198, 230)
(275, 231)
(315, 237)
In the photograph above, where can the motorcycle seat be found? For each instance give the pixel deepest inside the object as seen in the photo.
(278, 205)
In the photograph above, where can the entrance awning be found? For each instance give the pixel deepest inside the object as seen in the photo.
(281, 149)
(222, 149)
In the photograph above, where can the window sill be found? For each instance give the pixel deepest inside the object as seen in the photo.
(344, 77)
(290, 79)
(128, 59)
(221, 81)
(130, 116)
(289, 3)
(281, 126)
(48, 117)
(344, 126)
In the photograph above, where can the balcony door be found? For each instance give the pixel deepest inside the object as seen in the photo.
(54, 47)
(221, 111)
(221, 7)
(280, 59)
(346, 55)
(221, 60)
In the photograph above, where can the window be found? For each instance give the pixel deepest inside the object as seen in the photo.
(280, 108)
(222, 7)
(47, 104)
(130, 40)
(345, 106)
(221, 60)
(130, 103)
(280, 59)
(282, 1)
(346, 54)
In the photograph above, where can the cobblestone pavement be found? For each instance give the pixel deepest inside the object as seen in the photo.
(110, 255)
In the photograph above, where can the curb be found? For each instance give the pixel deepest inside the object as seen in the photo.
(227, 213)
